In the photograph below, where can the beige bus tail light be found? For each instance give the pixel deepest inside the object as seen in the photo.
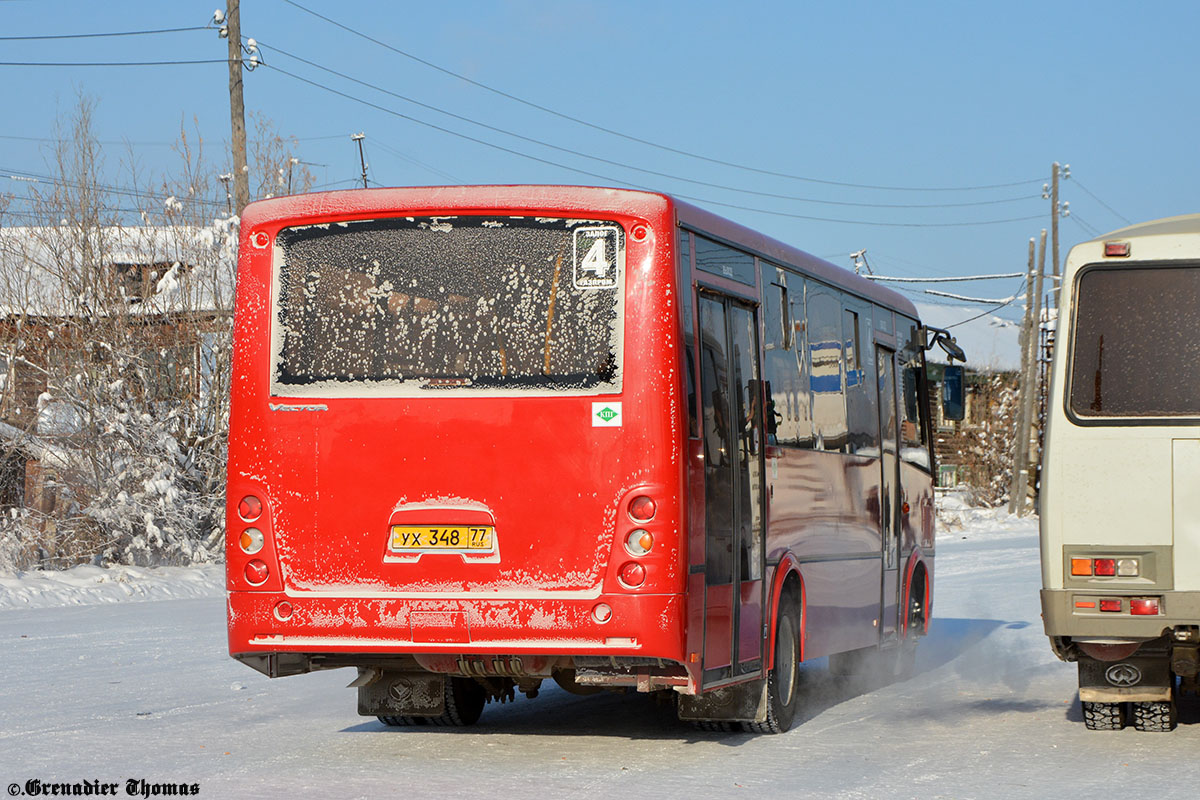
(1081, 567)
(1127, 568)
(1110, 605)
(1106, 567)
(1143, 606)
(1116, 249)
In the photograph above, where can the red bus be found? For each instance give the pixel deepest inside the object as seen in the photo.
(481, 437)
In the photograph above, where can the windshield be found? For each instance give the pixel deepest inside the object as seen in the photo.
(408, 305)
(1135, 352)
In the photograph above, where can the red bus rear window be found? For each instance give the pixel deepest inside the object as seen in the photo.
(408, 305)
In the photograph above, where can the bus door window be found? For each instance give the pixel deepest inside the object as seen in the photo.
(889, 492)
(861, 418)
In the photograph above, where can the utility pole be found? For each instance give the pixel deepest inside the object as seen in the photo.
(237, 108)
(1021, 444)
(1056, 211)
(358, 137)
(1029, 380)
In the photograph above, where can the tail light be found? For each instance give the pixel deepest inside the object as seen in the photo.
(632, 574)
(256, 572)
(642, 508)
(1143, 606)
(251, 541)
(1110, 605)
(1106, 567)
(250, 508)
(639, 542)
(250, 557)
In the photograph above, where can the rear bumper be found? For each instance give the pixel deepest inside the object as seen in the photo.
(1061, 617)
(639, 625)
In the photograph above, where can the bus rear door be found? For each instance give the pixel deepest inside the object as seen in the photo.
(733, 488)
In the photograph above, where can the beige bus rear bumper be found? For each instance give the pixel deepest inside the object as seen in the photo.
(1061, 617)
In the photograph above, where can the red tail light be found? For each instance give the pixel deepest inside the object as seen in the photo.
(257, 572)
(632, 574)
(1144, 606)
(1110, 605)
(250, 508)
(1106, 566)
(642, 508)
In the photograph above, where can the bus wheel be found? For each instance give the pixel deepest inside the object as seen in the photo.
(1158, 716)
(465, 700)
(1103, 716)
(783, 682)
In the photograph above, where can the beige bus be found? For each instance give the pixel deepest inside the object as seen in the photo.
(1120, 495)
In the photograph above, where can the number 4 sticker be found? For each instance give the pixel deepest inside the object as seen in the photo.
(595, 257)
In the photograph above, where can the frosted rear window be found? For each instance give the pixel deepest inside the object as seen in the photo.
(410, 305)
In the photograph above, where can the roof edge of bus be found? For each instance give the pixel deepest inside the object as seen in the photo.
(353, 202)
(1182, 224)
(722, 228)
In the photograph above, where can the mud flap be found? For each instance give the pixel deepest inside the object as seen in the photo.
(746, 702)
(400, 694)
(1130, 680)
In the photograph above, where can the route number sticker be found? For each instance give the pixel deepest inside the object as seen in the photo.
(595, 257)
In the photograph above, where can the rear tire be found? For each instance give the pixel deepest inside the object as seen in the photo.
(783, 681)
(1158, 717)
(464, 698)
(1103, 716)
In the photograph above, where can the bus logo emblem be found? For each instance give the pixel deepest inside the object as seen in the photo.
(606, 415)
(1123, 675)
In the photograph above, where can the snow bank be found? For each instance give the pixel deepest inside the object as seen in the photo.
(88, 585)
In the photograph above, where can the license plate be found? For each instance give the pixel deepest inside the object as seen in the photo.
(408, 538)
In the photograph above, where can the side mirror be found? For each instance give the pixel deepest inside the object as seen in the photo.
(953, 398)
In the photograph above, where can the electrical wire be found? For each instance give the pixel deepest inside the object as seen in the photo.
(647, 142)
(99, 35)
(622, 165)
(113, 63)
(618, 181)
(1113, 211)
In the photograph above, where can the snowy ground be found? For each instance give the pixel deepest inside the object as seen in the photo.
(94, 689)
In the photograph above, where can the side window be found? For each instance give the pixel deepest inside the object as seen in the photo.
(687, 301)
(914, 396)
(862, 420)
(788, 417)
(824, 322)
(724, 261)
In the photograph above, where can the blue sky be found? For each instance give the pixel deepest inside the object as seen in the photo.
(914, 95)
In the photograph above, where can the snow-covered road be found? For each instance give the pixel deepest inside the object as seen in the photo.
(144, 690)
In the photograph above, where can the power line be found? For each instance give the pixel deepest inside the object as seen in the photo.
(98, 35)
(647, 142)
(603, 177)
(112, 63)
(946, 280)
(1114, 212)
(622, 165)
